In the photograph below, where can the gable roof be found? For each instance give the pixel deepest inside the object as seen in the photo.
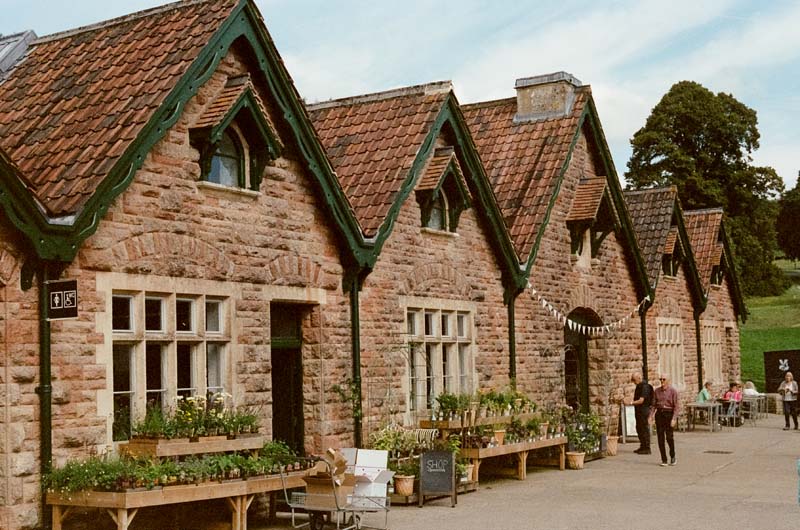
(381, 144)
(440, 161)
(81, 111)
(373, 140)
(524, 161)
(712, 247)
(652, 212)
(77, 99)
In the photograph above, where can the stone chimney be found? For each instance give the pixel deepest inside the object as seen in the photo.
(545, 96)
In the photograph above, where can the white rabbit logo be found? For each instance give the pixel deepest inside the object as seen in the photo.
(783, 365)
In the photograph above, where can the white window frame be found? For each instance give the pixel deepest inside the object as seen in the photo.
(168, 339)
(669, 338)
(428, 350)
(711, 344)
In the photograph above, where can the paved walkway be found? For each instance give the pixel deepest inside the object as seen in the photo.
(752, 485)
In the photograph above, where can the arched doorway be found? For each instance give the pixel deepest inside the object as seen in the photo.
(576, 359)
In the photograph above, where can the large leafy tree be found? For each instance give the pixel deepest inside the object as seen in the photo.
(702, 142)
(788, 218)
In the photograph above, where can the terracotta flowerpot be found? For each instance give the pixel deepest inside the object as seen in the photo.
(611, 446)
(470, 468)
(575, 459)
(500, 435)
(404, 485)
(543, 429)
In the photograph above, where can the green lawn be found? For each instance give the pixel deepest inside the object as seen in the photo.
(773, 324)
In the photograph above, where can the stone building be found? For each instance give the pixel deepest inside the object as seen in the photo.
(577, 332)
(432, 313)
(719, 322)
(673, 320)
(166, 162)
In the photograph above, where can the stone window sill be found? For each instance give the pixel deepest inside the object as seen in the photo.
(440, 233)
(227, 192)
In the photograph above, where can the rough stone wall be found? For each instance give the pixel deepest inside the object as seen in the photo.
(673, 299)
(417, 263)
(19, 377)
(607, 288)
(720, 308)
(169, 229)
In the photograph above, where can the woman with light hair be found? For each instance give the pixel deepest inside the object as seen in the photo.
(788, 390)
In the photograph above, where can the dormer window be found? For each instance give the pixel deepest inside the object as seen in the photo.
(227, 163)
(673, 254)
(235, 137)
(437, 217)
(441, 192)
(591, 218)
(717, 275)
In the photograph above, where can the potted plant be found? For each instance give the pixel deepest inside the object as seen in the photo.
(583, 434)
(405, 473)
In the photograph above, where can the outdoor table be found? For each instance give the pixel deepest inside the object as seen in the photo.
(713, 410)
(520, 450)
(123, 506)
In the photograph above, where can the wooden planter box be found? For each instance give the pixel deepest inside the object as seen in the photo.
(151, 447)
(454, 425)
(123, 506)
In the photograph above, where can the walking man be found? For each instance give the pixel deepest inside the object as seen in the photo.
(664, 411)
(642, 399)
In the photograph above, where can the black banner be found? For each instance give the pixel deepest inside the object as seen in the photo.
(776, 364)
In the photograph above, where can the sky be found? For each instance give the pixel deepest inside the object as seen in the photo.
(630, 51)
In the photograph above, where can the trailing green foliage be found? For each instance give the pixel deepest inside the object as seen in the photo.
(788, 216)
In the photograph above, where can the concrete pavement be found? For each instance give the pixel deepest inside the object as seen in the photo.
(750, 482)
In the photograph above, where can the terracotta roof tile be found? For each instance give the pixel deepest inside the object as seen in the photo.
(651, 212)
(436, 167)
(587, 199)
(372, 142)
(523, 160)
(672, 238)
(704, 228)
(70, 108)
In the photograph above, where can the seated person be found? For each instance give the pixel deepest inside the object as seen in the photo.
(705, 394)
(750, 389)
(734, 393)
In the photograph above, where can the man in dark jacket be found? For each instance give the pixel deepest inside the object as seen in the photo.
(642, 399)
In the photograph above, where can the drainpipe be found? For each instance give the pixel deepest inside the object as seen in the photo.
(355, 340)
(512, 344)
(643, 319)
(699, 350)
(44, 390)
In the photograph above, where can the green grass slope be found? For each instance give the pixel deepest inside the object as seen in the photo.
(773, 324)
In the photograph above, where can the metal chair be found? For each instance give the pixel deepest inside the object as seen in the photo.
(749, 409)
(731, 415)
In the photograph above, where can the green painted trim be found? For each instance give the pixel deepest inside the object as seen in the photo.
(590, 113)
(733, 277)
(698, 294)
(248, 102)
(475, 176)
(61, 242)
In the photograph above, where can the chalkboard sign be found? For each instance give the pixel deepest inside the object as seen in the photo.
(437, 475)
(776, 364)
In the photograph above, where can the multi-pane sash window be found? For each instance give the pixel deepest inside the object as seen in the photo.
(440, 355)
(670, 349)
(165, 345)
(712, 352)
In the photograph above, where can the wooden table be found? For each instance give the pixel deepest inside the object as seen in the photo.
(520, 450)
(123, 506)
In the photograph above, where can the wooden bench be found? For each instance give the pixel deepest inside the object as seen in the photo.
(520, 450)
(123, 506)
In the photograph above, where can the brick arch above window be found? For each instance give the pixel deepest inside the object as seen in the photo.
(581, 296)
(669, 308)
(424, 276)
(298, 271)
(155, 248)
